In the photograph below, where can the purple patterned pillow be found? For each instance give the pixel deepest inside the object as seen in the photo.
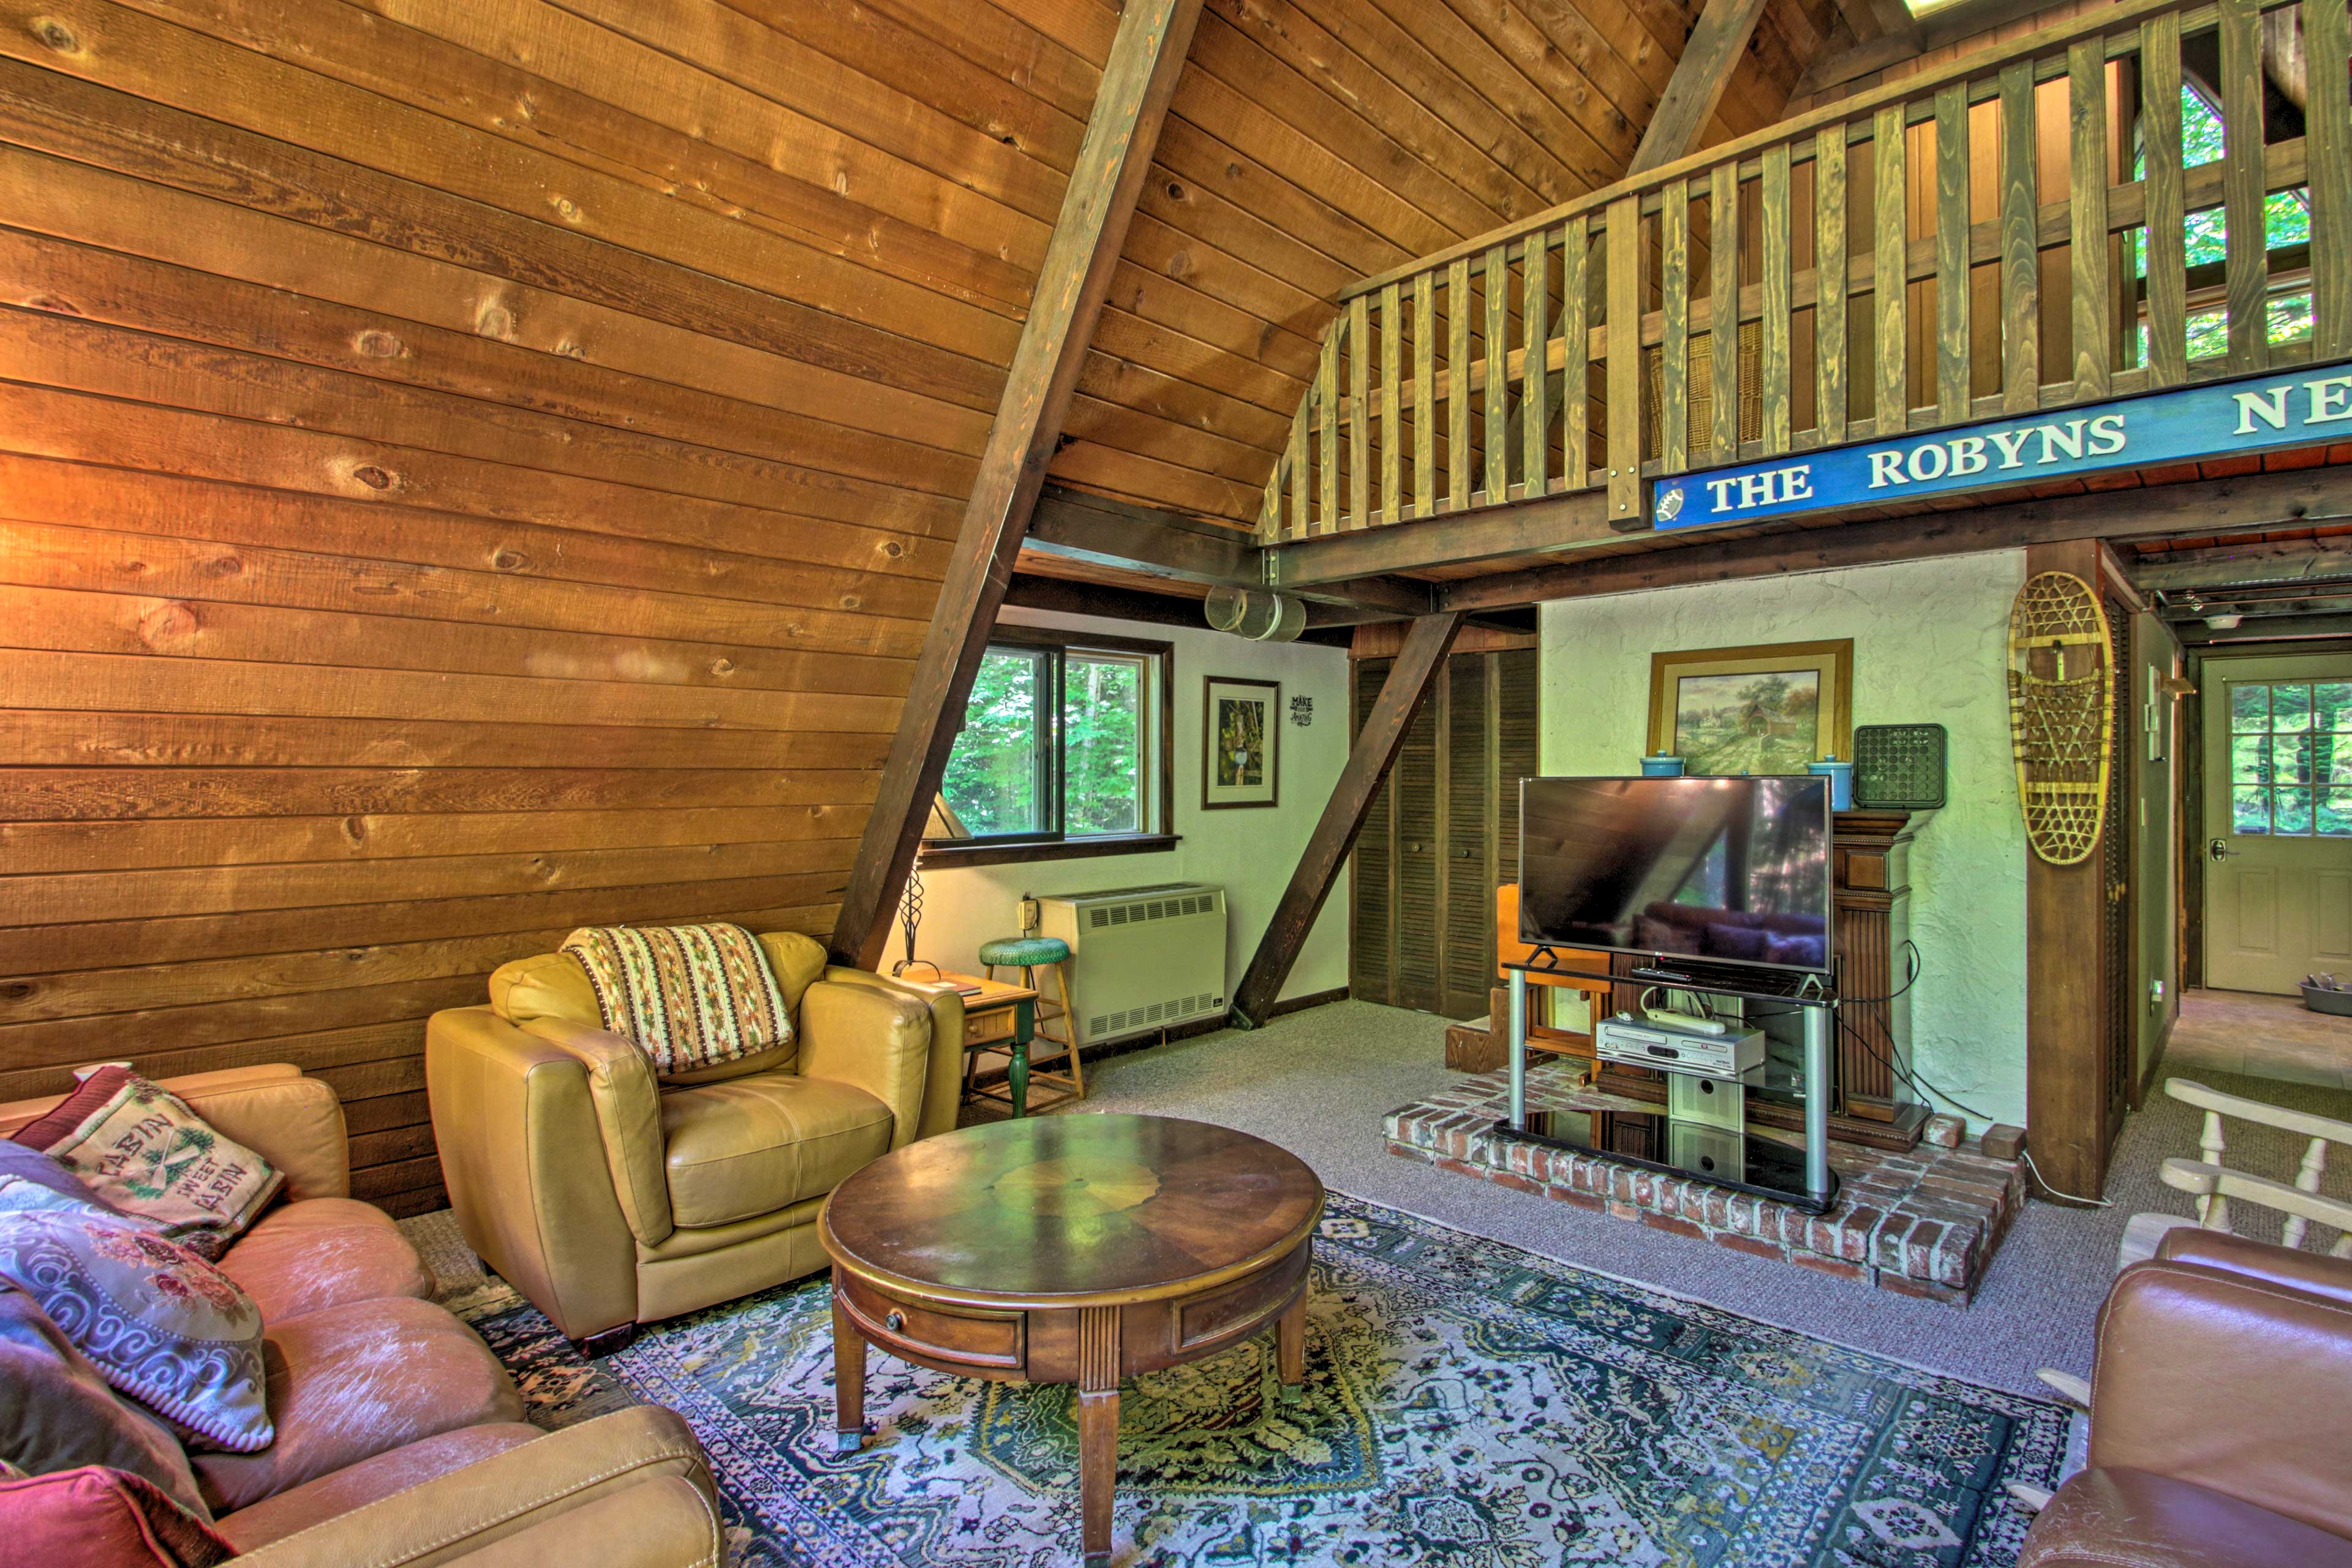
(160, 1323)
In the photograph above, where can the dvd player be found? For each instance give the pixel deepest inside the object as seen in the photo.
(1712, 1053)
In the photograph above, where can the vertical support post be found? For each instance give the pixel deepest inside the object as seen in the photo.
(1359, 405)
(1391, 405)
(1952, 254)
(2168, 244)
(1723, 309)
(2021, 260)
(1772, 366)
(1535, 366)
(2327, 126)
(2245, 264)
(1496, 394)
(1674, 346)
(1627, 290)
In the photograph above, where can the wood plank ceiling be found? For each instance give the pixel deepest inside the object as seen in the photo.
(474, 467)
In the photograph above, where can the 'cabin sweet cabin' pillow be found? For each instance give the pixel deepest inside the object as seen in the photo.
(140, 1148)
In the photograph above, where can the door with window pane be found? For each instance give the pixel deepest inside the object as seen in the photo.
(2278, 821)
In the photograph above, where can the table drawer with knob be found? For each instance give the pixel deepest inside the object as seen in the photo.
(968, 1336)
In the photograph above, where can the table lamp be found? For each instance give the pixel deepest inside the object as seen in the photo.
(941, 824)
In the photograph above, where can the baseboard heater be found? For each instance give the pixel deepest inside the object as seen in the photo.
(1141, 958)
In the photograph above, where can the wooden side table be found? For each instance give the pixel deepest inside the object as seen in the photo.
(1081, 1249)
(999, 1016)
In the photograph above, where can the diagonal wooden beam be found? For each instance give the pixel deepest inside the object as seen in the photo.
(1138, 81)
(1410, 681)
(1686, 108)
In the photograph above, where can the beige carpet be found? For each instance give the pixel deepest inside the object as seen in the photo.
(1318, 1082)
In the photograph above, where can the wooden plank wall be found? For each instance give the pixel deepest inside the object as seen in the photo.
(443, 503)
(472, 467)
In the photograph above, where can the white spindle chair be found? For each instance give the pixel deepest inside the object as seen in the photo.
(2215, 1186)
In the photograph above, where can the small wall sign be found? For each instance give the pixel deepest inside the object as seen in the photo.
(1302, 711)
(2298, 408)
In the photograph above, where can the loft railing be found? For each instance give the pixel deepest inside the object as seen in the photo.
(1495, 373)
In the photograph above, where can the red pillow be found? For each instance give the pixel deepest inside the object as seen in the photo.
(99, 1517)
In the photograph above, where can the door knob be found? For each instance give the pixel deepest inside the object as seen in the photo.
(2217, 850)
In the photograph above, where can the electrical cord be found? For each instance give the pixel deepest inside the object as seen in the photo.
(2027, 1155)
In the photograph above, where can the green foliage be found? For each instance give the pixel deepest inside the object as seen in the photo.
(993, 781)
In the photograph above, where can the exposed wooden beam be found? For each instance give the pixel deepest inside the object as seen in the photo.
(1410, 681)
(1146, 58)
(2203, 508)
(1078, 526)
(2245, 565)
(1686, 108)
(1531, 528)
(1941, 29)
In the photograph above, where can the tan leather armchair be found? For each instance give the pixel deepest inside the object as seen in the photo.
(612, 1195)
(2220, 1415)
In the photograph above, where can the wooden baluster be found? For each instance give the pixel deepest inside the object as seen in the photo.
(1498, 371)
(2212, 1209)
(1888, 276)
(2327, 131)
(2094, 297)
(2167, 241)
(2246, 272)
(1828, 280)
(1359, 410)
(1627, 281)
(2020, 258)
(1424, 393)
(1534, 365)
(1723, 309)
(1391, 405)
(1772, 368)
(1576, 349)
(1952, 253)
(1457, 383)
(1299, 464)
(1674, 299)
(1327, 400)
(2308, 1176)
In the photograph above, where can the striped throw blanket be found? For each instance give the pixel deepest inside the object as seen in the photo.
(688, 996)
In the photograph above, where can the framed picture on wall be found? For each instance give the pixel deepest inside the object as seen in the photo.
(1240, 751)
(1766, 710)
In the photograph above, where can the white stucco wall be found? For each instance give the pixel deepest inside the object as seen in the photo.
(1251, 851)
(1930, 645)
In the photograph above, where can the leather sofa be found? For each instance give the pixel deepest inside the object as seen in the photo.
(400, 1439)
(2220, 1415)
(612, 1196)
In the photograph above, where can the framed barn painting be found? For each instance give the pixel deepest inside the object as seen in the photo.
(1768, 710)
(1240, 764)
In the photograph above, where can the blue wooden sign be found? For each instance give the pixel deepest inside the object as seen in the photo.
(2301, 409)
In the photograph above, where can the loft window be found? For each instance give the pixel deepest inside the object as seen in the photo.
(1064, 750)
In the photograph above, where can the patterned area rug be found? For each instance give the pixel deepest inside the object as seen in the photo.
(1467, 1404)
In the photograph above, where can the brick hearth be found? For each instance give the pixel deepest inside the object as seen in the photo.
(1924, 1223)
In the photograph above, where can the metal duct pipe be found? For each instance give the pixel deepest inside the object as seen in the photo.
(1257, 614)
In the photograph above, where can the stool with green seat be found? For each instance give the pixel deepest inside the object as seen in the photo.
(1031, 952)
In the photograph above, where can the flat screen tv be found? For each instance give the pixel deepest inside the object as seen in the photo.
(1732, 870)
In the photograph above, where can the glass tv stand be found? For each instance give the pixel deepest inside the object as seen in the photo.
(1729, 1157)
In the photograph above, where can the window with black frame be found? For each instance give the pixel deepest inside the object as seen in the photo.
(1063, 750)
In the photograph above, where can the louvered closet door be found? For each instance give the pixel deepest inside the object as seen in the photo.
(1441, 835)
(1413, 791)
(1469, 805)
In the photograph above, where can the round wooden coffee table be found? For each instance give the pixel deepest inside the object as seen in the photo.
(1076, 1248)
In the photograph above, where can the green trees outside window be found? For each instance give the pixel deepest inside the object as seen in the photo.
(1058, 741)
